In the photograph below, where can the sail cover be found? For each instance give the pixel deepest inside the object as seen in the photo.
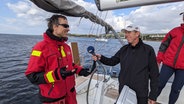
(70, 8)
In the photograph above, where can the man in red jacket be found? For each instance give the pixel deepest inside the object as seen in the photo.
(51, 65)
(171, 54)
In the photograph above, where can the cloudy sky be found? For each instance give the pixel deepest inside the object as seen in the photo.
(23, 17)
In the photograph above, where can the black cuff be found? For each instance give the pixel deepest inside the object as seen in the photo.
(36, 78)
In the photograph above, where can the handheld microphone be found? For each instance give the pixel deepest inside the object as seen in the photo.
(91, 50)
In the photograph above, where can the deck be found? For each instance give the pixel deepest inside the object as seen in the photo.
(110, 92)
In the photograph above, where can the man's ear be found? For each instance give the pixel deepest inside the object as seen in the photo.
(138, 34)
(54, 27)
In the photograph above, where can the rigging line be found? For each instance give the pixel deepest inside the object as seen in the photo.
(100, 33)
(91, 27)
(101, 47)
(94, 23)
(118, 37)
(104, 20)
(97, 33)
(79, 21)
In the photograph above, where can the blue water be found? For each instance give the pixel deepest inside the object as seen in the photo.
(14, 56)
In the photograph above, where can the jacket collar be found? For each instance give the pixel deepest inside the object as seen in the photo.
(137, 45)
(62, 39)
(48, 36)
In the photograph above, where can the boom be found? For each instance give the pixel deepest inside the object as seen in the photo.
(118, 4)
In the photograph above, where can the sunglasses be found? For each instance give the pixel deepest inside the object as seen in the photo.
(64, 25)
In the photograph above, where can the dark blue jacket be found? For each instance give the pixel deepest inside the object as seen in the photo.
(138, 65)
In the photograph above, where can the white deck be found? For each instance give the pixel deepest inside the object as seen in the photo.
(110, 92)
(109, 95)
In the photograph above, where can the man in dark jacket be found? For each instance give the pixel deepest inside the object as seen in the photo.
(138, 65)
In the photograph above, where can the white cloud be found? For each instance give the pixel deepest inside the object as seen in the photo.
(5, 28)
(10, 20)
(28, 12)
(151, 19)
(157, 18)
(19, 7)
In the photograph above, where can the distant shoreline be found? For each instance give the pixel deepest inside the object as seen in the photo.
(147, 37)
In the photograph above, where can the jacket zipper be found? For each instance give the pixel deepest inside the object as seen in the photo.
(58, 67)
(51, 89)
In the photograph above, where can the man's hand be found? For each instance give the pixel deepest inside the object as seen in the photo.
(84, 72)
(64, 73)
(96, 57)
(151, 101)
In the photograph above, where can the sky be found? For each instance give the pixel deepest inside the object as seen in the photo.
(24, 17)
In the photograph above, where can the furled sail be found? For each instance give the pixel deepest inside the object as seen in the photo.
(70, 8)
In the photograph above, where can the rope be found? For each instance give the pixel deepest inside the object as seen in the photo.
(104, 20)
(88, 88)
(94, 24)
(97, 33)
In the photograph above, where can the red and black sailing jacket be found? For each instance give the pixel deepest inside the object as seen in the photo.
(46, 57)
(171, 51)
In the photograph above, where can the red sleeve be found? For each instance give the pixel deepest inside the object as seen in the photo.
(36, 62)
(79, 68)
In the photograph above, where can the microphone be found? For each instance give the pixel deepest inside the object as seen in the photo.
(91, 50)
